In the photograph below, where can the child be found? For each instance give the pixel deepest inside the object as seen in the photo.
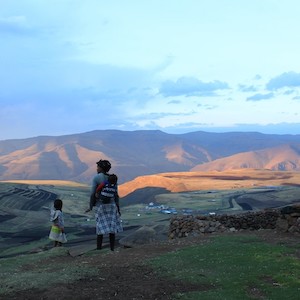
(107, 191)
(57, 233)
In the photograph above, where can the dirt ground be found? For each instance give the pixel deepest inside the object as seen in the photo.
(123, 274)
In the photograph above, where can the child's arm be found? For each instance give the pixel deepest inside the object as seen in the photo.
(60, 222)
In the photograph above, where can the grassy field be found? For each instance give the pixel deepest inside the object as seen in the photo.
(13, 277)
(203, 201)
(229, 201)
(235, 268)
(230, 267)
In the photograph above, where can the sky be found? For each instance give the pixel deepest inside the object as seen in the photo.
(73, 66)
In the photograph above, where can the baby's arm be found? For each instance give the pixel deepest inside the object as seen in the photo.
(99, 189)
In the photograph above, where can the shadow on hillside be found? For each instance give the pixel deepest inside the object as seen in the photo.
(144, 196)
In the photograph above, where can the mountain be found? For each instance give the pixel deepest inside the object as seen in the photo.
(283, 158)
(136, 153)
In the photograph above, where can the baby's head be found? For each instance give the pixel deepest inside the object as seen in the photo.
(58, 204)
(113, 179)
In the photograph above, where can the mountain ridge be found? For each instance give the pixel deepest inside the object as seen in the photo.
(139, 153)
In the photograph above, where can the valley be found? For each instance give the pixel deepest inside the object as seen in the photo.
(25, 205)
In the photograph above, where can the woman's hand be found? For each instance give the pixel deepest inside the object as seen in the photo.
(119, 211)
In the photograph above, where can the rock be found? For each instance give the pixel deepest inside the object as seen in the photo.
(282, 224)
(295, 214)
(294, 229)
(145, 235)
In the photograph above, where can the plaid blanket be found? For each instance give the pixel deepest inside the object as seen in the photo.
(108, 219)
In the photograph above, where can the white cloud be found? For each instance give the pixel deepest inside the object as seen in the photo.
(247, 88)
(287, 79)
(14, 25)
(190, 86)
(259, 97)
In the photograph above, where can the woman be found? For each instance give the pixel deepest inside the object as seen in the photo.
(107, 215)
(103, 166)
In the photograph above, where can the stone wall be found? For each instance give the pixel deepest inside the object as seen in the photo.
(286, 219)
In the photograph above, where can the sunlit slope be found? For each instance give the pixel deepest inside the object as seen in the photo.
(47, 182)
(74, 157)
(284, 157)
(51, 160)
(140, 153)
(231, 179)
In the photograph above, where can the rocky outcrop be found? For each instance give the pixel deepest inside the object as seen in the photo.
(286, 219)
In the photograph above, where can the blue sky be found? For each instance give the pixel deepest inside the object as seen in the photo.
(71, 66)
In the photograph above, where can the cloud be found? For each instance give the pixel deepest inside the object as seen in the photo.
(289, 92)
(271, 128)
(245, 88)
(190, 86)
(257, 77)
(15, 25)
(174, 102)
(287, 79)
(160, 115)
(76, 81)
(258, 97)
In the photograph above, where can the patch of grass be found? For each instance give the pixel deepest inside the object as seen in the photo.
(236, 267)
(25, 247)
(136, 215)
(204, 201)
(20, 273)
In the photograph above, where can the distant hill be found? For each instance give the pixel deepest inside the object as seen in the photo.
(282, 158)
(211, 180)
(138, 153)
